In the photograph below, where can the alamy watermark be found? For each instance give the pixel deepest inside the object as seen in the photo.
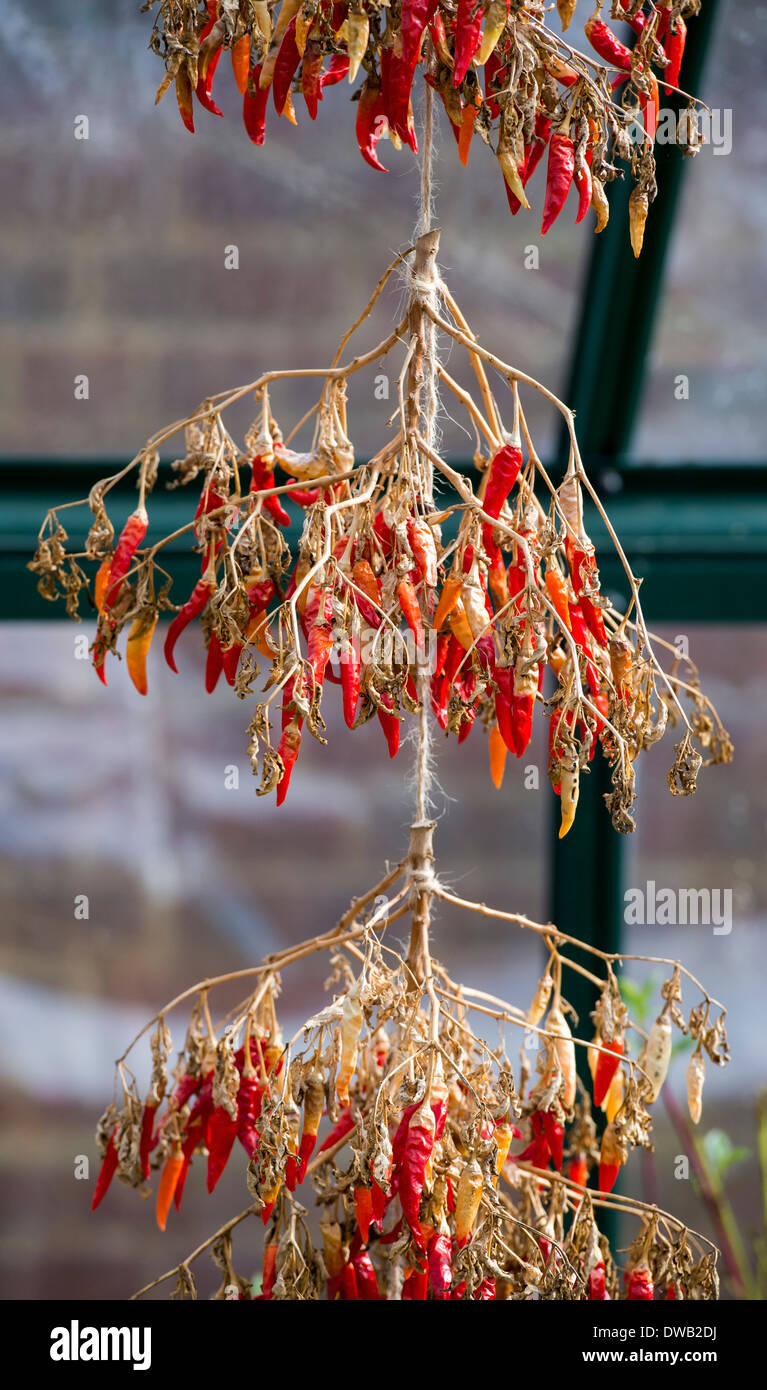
(670, 907)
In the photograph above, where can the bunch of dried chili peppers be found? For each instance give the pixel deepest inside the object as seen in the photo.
(441, 1171)
(492, 587)
(498, 68)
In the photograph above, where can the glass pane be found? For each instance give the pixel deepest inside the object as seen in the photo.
(125, 801)
(115, 245)
(710, 326)
(712, 843)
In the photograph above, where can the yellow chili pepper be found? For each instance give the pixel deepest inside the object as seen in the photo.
(351, 1027)
(139, 641)
(564, 1049)
(495, 23)
(638, 206)
(569, 784)
(504, 1133)
(357, 26)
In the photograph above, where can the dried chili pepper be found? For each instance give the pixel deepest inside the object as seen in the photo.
(497, 748)
(370, 123)
(269, 1275)
(288, 749)
(611, 1156)
(222, 1132)
(352, 1019)
(468, 30)
(396, 85)
(467, 1199)
(695, 1077)
(555, 1135)
(451, 592)
(502, 474)
(192, 609)
(564, 1049)
(365, 580)
(389, 723)
(408, 602)
(208, 61)
(559, 176)
(131, 536)
(640, 1284)
(262, 480)
(417, 1150)
(311, 68)
(656, 1055)
(416, 1285)
(605, 43)
(106, 1171)
(363, 1211)
(241, 63)
(606, 1067)
(673, 45)
(171, 1173)
(439, 1255)
(578, 1170)
(137, 648)
(597, 1291)
(101, 583)
(638, 208)
(214, 663)
(343, 1126)
(254, 107)
(367, 1284)
(185, 98)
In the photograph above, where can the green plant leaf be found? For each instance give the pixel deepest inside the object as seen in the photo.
(638, 998)
(721, 1153)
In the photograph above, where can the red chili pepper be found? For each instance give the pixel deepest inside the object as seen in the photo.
(416, 14)
(254, 107)
(503, 705)
(582, 181)
(205, 79)
(671, 1292)
(597, 1291)
(131, 536)
(249, 1099)
(222, 1132)
(343, 1126)
(106, 1171)
(192, 609)
(559, 176)
(370, 123)
(416, 1285)
(408, 602)
(486, 1291)
(389, 723)
(439, 1255)
(311, 69)
(262, 479)
(269, 1276)
(349, 1290)
(285, 67)
(338, 69)
(145, 1144)
(541, 140)
(604, 42)
(606, 1067)
(493, 66)
(555, 1135)
(367, 1284)
(319, 634)
(288, 749)
(417, 1151)
(350, 679)
(363, 1211)
(584, 574)
(503, 473)
(673, 46)
(396, 84)
(468, 32)
(640, 1285)
(214, 663)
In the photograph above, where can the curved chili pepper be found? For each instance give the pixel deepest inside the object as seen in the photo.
(417, 1150)
(369, 125)
(349, 1290)
(285, 67)
(338, 69)
(190, 610)
(604, 42)
(343, 1126)
(168, 1183)
(131, 536)
(578, 1170)
(145, 1142)
(101, 583)
(559, 176)
(468, 31)
(582, 181)
(288, 749)
(249, 1098)
(365, 580)
(106, 1171)
(317, 619)
(502, 475)
(416, 1285)
(350, 679)
(137, 648)
(222, 1132)
(555, 1135)
(416, 14)
(557, 592)
(254, 107)
(396, 84)
(389, 723)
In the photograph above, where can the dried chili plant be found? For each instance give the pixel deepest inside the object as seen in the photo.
(498, 67)
(426, 589)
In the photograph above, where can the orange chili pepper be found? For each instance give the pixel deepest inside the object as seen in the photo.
(467, 129)
(557, 591)
(139, 641)
(467, 1199)
(497, 756)
(241, 63)
(101, 583)
(168, 1183)
(447, 600)
(459, 624)
(408, 602)
(363, 1211)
